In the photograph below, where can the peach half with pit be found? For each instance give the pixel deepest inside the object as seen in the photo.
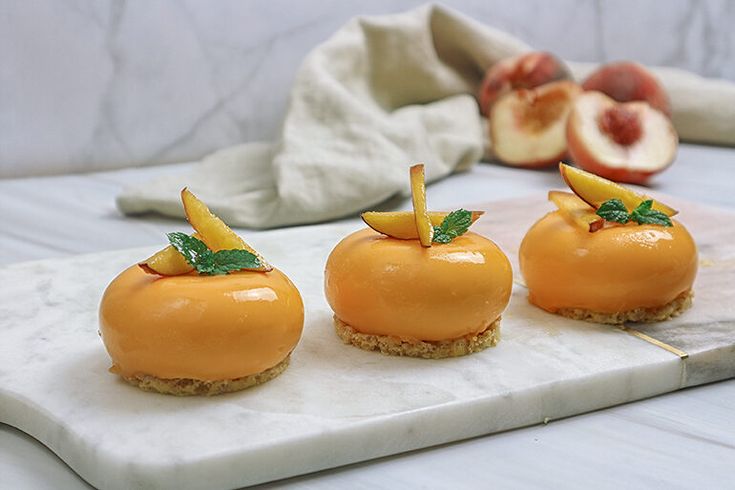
(625, 142)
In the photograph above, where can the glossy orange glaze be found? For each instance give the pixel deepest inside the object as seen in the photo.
(612, 270)
(200, 327)
(385, 286)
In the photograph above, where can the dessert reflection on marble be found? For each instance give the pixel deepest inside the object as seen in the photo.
(546, 367)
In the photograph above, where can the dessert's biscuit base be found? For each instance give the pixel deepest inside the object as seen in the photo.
(197, 387)
(638, 315)
(439, 349)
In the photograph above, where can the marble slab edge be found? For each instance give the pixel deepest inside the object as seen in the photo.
(362, 441)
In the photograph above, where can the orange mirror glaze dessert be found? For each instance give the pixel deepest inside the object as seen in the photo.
(205, 328)
(402, 298)
(200, 333)
(618, 273)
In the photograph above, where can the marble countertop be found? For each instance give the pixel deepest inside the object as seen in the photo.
(677, 440)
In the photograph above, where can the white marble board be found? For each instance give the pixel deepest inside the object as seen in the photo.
(335, 404)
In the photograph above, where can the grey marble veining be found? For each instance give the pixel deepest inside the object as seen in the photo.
(332, 395)
(88, 84)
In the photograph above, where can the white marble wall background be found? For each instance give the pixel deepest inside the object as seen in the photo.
(99, 84)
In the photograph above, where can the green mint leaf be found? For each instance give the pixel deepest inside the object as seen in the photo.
(225, 261)
(195, 251)
(455, 224)
(440, 236)
(644, 214)
(206, 262)
(613, 210)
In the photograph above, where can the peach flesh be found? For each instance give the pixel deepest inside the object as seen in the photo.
(542, 109)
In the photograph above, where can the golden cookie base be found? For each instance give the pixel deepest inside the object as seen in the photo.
(638, 315)
(197, 387)
(394, 346)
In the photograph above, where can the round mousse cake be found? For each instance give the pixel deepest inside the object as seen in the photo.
(200, 335)
(621, 273)
(401, 298)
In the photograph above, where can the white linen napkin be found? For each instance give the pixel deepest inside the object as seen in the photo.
(383, 93)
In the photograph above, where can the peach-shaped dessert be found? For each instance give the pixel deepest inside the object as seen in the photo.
(227, 323)
(626, 81)
(626, 142)
(637, 266)
(528, 70)
(402, 298)
(527, 127)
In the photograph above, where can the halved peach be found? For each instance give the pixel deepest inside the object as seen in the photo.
(576, 210)
(626, 142)
(527, 127)
(213, 231)
(402, 224)
(594, 190)
(418, 197)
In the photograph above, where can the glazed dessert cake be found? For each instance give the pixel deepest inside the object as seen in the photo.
(608, 255)
(417, 283)
(204, 316)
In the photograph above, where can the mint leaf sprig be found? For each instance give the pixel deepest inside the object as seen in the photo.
(615, 210)
(455, 224)
(209, 263)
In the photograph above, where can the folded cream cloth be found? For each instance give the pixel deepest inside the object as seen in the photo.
(382, 93)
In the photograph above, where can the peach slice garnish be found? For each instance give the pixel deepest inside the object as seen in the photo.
(418, 197)
(166, 262)
(402, 224)
(594, 190)
(527, 127)
(213, 231)
(576, 210)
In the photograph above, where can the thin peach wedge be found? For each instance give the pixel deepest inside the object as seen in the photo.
(402, 224)
(594, 190)
(576, 210)
(213, 231)
(418, 197)
(166, 262)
